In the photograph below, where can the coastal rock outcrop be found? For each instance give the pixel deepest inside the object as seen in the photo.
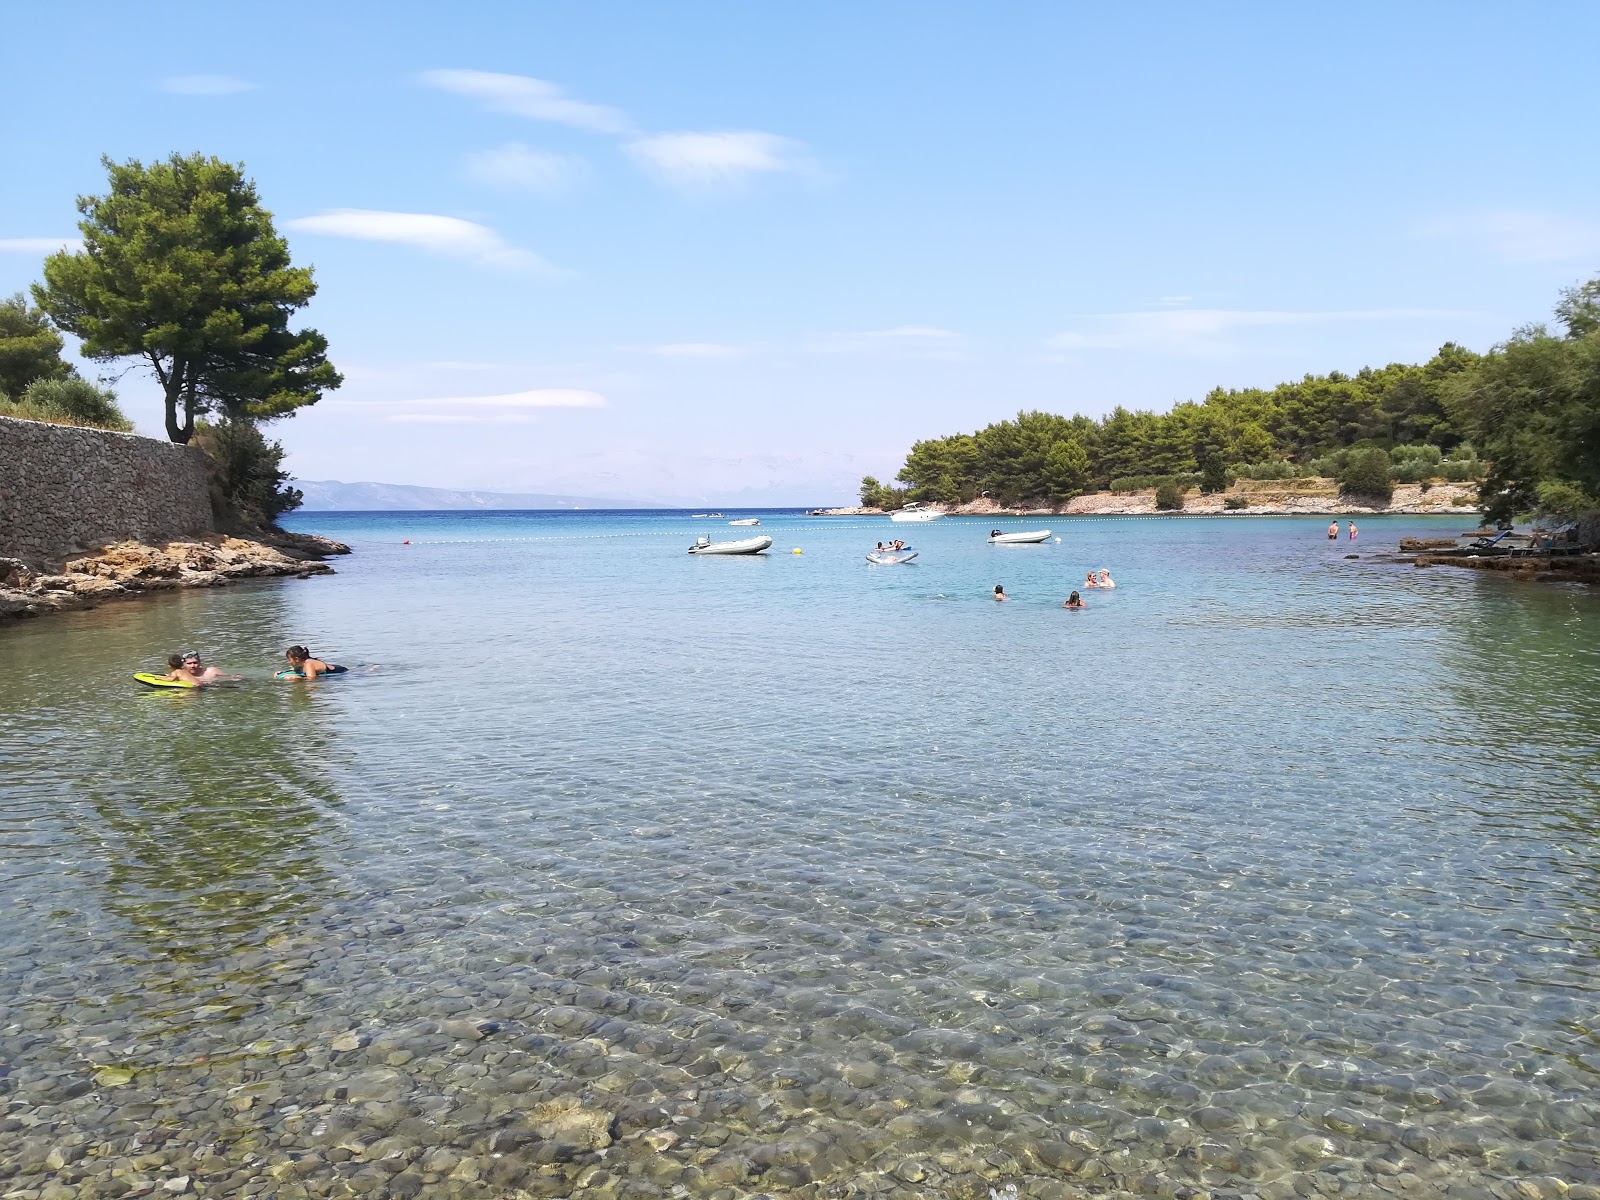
(128, 568)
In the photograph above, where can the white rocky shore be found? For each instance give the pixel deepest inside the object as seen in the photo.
(1259, 498)
(131, 568)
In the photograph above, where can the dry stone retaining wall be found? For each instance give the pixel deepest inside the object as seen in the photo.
(64, 490)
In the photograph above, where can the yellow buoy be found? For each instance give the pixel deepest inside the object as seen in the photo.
(797, 549)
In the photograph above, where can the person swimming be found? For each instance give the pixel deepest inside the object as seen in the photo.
(189, 667)
(1074, 601)
(1000, 592)
(1353, 531)
(303, 666)
(1090, 581)
(1105, 579)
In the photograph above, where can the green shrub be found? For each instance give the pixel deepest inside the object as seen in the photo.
(1278, 469)
(1169, 496)
(1366, 473)
(1418, 452)
(1235, 502)
(1464, 501)
(1137, 483)
(70, 401)
(249, 488)
(1558, 497)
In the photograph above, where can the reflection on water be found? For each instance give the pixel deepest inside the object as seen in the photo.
(1273, 873)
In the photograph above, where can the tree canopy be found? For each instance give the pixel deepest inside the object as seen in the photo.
(181, 267)
(30, 347)
(1530, 406)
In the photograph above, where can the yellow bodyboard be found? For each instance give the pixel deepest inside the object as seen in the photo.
(149, 680)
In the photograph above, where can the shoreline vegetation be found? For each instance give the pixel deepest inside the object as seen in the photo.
(1521, 423)
(1313, 496)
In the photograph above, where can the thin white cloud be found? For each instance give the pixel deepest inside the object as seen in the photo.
(695, 350)
(449, 236)
(1523, 236)
(505, 408)
(524, 96)
(524, 168)
(206, 85)
(702, 160)
(1207, 331)
(39, 245)
(925, 340)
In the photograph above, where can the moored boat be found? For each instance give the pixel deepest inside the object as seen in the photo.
(915, 512)
(746, 521)
(755, 545)
(1022, 537)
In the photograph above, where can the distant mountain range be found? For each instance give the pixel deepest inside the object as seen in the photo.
(329, 495)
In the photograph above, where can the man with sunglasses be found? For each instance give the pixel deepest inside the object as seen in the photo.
(199, 673)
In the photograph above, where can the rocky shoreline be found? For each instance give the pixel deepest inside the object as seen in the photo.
(132, 568)
(1285, 497)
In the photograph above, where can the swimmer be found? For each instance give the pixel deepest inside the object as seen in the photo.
(1353, 533)
(1000, 592)
(1090, 581)
(175, 671)
(1105, 579)
(1333, 532)
(303, 666)
(196, 671)
(1074, 601)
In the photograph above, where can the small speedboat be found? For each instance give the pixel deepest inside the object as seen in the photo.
(755, 545)
(889, 558)
(1022, 537)
(745, 521)
(915, 512)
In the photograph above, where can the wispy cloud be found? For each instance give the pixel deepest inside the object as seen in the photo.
(39, 245)
(1522, 236)
(206, 85)
(524, 168)
(450, 236)
(511, 408)
(1209, 331)
(524, 96)
(701, 160)
(695, 350)
(911, 339)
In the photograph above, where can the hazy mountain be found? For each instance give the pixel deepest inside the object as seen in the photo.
(329, 495)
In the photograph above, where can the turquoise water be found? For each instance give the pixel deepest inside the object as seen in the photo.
(629, 873)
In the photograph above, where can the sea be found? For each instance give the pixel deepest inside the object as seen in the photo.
(609, 870)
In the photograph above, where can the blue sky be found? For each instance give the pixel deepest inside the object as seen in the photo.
(734, 252)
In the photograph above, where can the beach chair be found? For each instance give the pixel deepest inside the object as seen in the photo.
(1485, 543)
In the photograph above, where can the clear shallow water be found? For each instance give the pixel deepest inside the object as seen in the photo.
(631, 873)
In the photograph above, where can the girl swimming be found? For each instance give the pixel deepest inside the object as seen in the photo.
(303, 666)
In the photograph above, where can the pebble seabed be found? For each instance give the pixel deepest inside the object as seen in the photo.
(608, 1063)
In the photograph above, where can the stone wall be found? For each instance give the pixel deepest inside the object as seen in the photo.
(64, 490)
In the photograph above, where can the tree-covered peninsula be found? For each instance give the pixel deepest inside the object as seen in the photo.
(1524, 419)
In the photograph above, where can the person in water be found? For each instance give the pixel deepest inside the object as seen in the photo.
(1333, 532)
(1000, 592)
(1090, 581)
(1353, 531)
(175, 671)
(191, 668)
(1074, 601)
(1105, 579)
(303, 666)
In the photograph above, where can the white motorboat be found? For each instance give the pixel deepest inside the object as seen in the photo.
(1022, 537)
(889, 558)
(755, 545)
(915, 512)
(746, 521)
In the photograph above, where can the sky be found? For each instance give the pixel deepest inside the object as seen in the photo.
(721, 253)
